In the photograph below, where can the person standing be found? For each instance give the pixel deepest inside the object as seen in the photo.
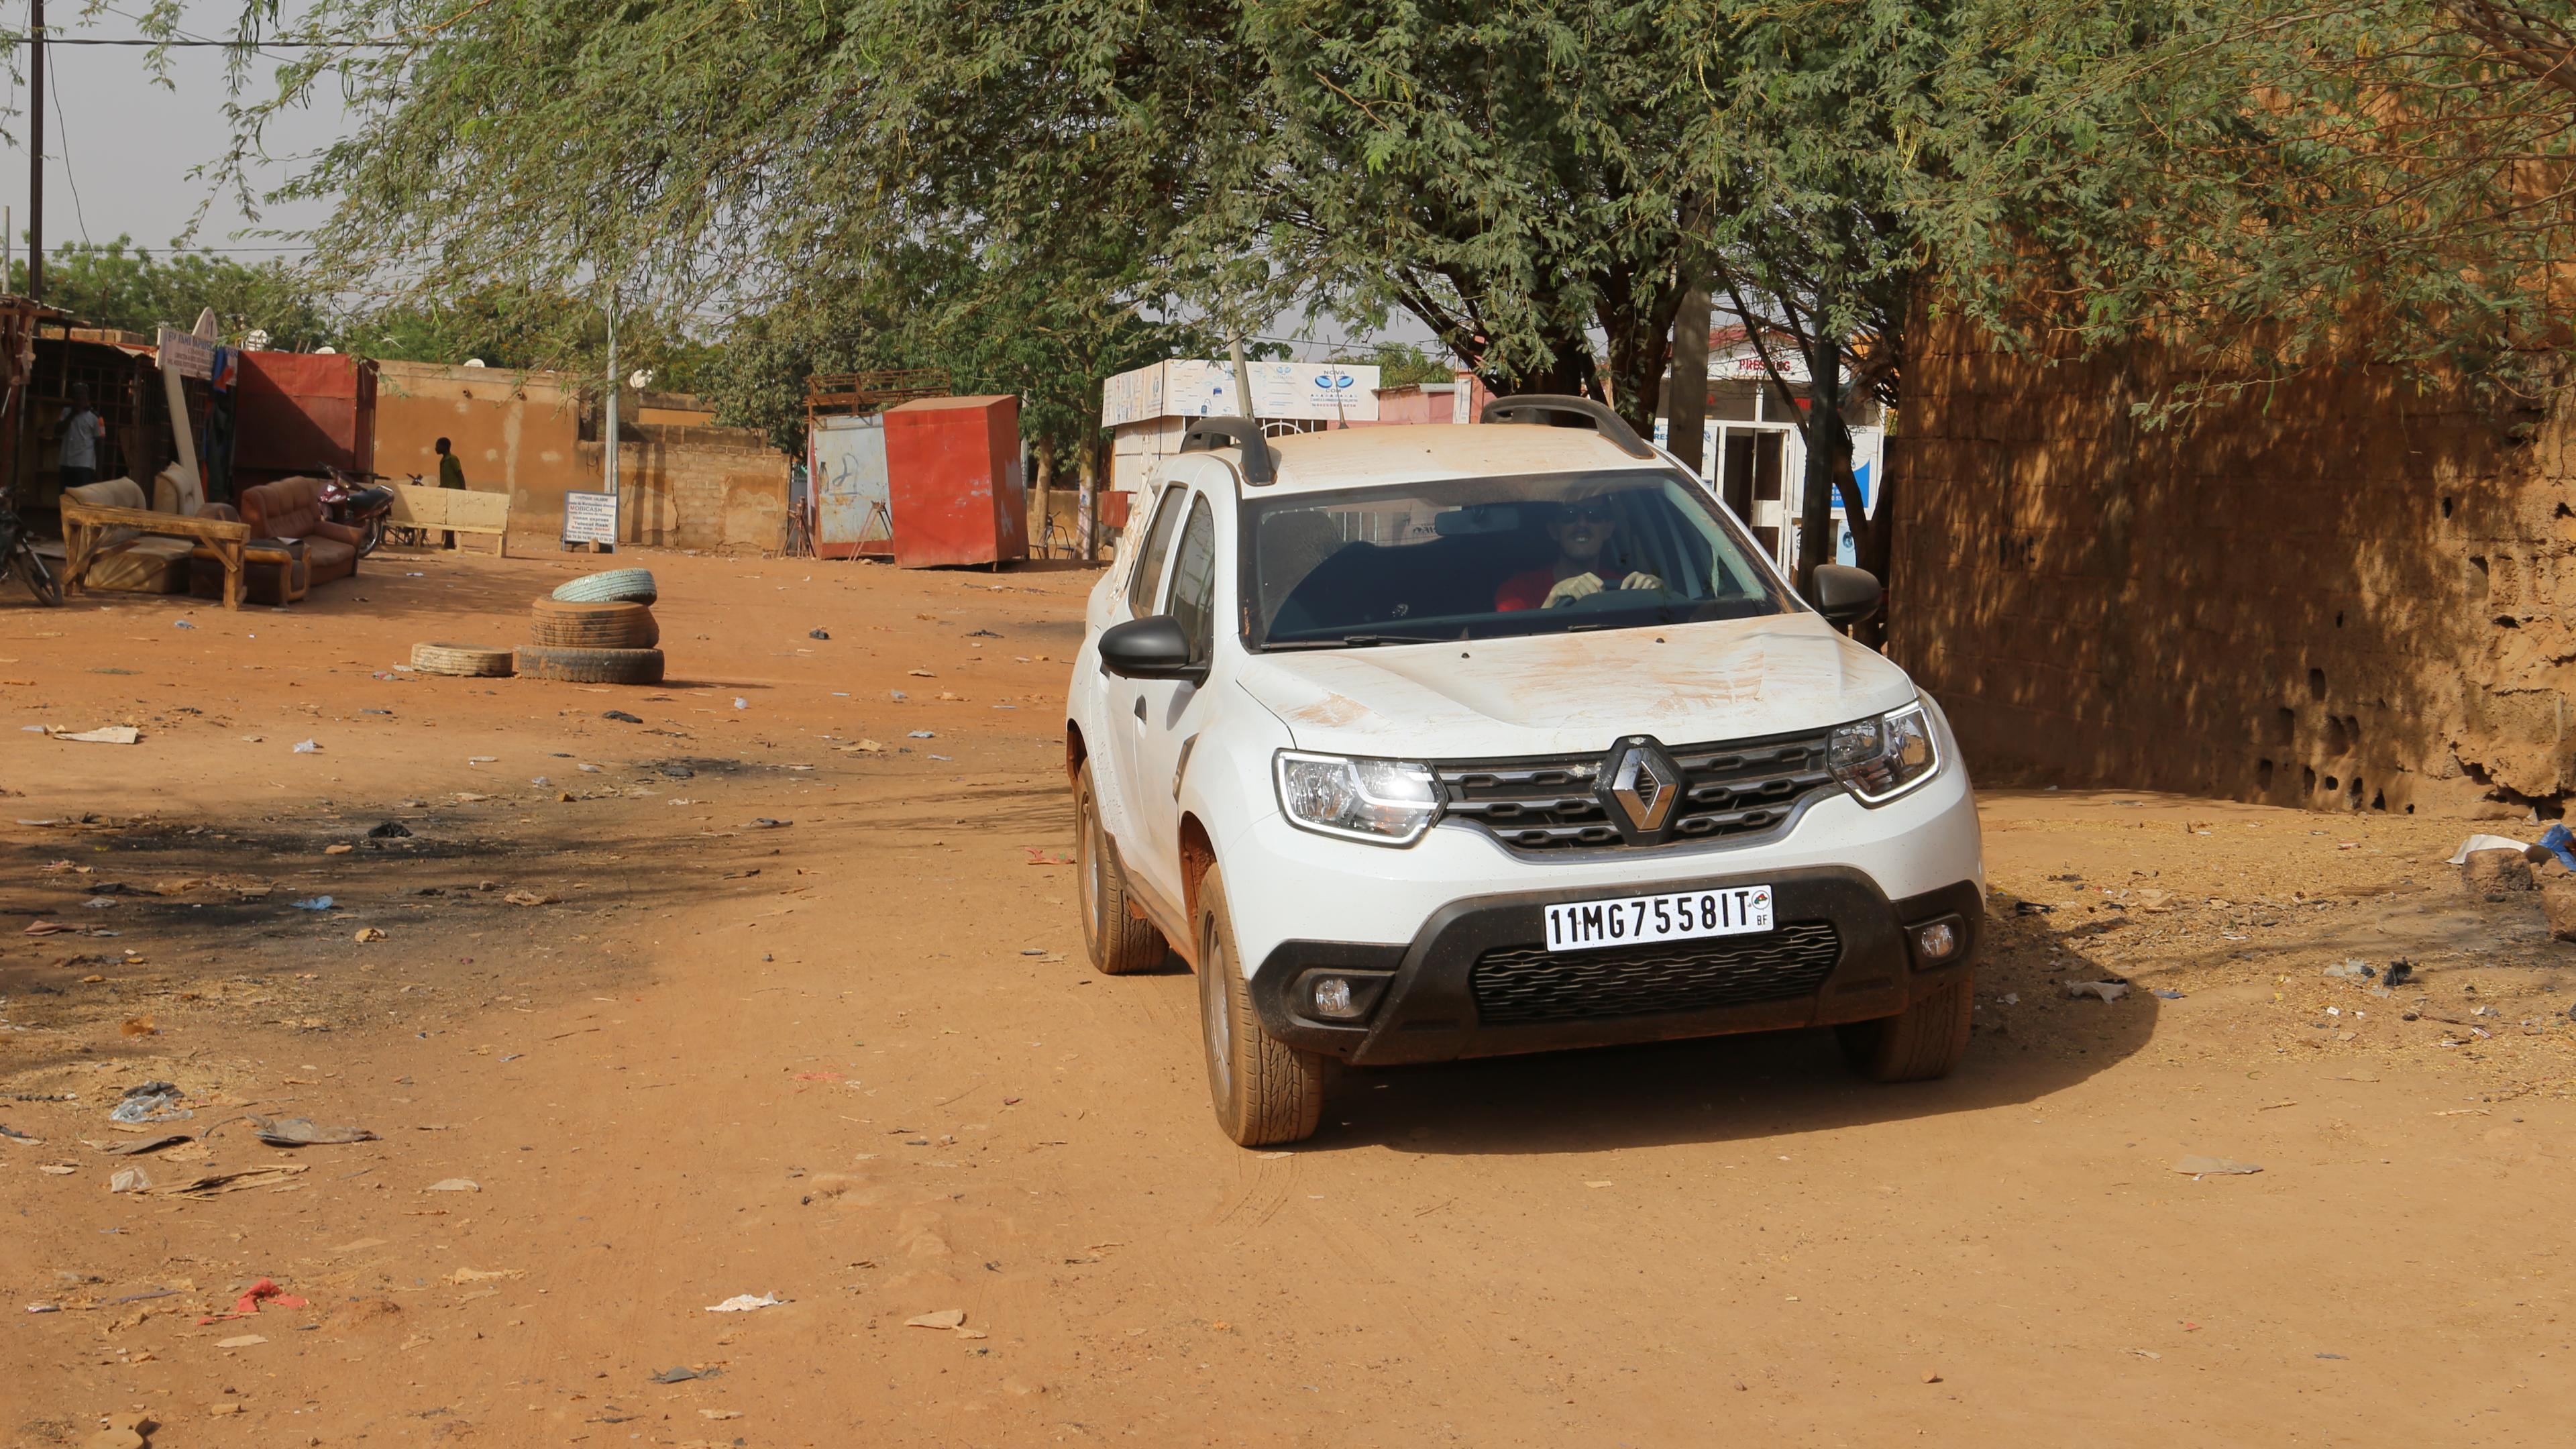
(81, 431)
(451, 474)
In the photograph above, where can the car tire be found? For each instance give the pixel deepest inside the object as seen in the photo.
(612, 585)
(1265, 1091)
(470, 661)
(555, 624)
(590, 666)
(1121, 944)
(1918, 1044)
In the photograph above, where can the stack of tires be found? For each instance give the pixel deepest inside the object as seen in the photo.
(598, 629)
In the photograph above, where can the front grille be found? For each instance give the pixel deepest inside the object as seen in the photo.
(1523, 984)
(1740, 788)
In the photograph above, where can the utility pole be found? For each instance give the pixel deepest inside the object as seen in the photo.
(36, 151)
(608, 453)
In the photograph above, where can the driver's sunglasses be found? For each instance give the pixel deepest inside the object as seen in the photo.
(1589, 512)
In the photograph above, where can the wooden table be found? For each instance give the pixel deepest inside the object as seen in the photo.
(86, 529)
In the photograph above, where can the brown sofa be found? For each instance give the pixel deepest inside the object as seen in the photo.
(129, 559)
(292, 508)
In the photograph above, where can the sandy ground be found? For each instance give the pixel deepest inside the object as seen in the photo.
(854, 1059)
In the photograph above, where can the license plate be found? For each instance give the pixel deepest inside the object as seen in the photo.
(1631, 920)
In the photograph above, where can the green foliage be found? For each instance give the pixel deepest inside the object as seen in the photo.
(1404, 364)
(121, 285)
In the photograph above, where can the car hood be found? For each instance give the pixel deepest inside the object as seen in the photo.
(1576, 693)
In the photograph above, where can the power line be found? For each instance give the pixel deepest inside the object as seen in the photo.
(194, 44)
(78, 214)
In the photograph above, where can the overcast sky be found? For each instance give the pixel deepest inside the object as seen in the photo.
(123, 145)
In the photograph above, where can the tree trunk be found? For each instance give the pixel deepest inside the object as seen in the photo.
(1687, 406)
(1045, 490)
(1828, 453)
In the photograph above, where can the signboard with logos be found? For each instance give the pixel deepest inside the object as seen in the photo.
(1196, 388)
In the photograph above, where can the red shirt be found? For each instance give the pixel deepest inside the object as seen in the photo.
(1525, 591)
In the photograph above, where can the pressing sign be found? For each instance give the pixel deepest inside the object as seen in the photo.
(1631, 920)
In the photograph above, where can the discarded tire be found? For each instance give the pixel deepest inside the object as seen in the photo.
(591, 666)
(473, 661)
(633, 586)
(560, 624)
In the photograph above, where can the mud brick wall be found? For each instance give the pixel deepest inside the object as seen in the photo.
(2347, 593)
(718, 490)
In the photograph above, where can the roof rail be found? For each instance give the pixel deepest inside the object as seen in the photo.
(1206, 435)
(1534, 407)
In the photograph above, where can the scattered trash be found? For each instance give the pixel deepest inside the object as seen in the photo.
(265, 1291)
(744, 1303)
(151, 1102)
(818, 633)
(463, 1276)
(50, 928)
(58, 1169)
(2031, 908)
(143, 1145)
(482, 759)
(317, 903)
(14, 1135)
(621, 716)
(109, 735)
(454, 1184)
(308, 747)
(863, 747)
(130, 1179)
(529, 898)
(223, 1182)
(922, 735)
(944, 1318)
(587, 769)
(367, 934)
(741, 703)
(301, 1132)
(246, 1340)
(683, 1374)
(181, 624)
(2476, 843)
(341, 849)
(2557, 841)
(765, 823)
(2165, 995)
(2400, 972)
(390, 830)
(983, 634)
(2353, 969)
(719, 1413)
(2214, 1167)
(2106, 990)
(898, 695)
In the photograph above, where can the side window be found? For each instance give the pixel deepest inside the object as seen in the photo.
(1141, 584)
(1193, 603)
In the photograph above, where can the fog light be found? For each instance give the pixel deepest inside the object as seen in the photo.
(1938, 941)
(1333, 998)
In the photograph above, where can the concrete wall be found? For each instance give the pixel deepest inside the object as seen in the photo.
(720, 490)
(2344, 593)
(514, 432)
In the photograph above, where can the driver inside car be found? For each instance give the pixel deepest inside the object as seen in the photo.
(1582, 531)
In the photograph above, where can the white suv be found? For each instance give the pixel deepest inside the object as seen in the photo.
(1429, 742)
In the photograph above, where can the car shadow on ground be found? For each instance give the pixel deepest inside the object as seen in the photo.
(1765, 1084)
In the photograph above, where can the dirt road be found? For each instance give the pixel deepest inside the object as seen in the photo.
(802, 1018)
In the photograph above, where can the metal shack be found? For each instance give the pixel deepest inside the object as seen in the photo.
(301, 413)
(953, 480)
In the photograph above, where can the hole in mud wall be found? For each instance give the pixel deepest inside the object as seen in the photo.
(2352, 793)
(2262, 777)
(2507, 621)
(2333, 784)
(2338, 739)
(2447, 505)
(2316, 684)
(2338, 618)
(2478, 584)
(2379, 801)
(2308, 779)
(2285, 726)
(2563, 511)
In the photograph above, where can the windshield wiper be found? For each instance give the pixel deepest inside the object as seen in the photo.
(1352, 641)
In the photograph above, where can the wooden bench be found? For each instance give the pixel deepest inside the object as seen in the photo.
(451, 510)
(87, 529)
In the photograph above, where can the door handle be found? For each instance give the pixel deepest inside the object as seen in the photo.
(1140, 709)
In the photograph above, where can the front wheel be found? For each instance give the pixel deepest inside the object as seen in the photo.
(1919, 1044)
(371, 536)
(40, 579)
(1265, 1091)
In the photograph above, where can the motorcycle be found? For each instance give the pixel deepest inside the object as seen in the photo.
(18, 556)
(359, 505)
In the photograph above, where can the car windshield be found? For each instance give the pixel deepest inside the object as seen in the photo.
(1472, 558)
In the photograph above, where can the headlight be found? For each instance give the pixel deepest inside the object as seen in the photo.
(1384, 802)
(1880, 759)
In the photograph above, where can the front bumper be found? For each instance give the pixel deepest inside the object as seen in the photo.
(1475, 980)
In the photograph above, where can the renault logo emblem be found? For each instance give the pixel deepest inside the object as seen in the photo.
(1646, 784)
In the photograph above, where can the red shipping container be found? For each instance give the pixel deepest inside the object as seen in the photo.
(953, 480)
(302, 412)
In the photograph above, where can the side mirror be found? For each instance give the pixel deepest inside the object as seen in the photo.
(1845, 596)
(1150, 648)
